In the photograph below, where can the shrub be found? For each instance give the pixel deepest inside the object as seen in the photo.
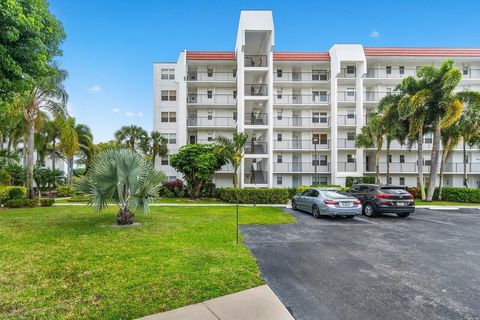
(11, 193)
(78, 198)
(471, 195)
(255, 196)
(414, 191)
(64, 191)
(47, 202)
(19, 203)
(350, 181)
(173, 189)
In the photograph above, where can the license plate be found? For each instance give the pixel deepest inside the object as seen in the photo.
(346, 204)
(401, 204)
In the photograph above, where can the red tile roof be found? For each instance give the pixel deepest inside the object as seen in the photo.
(210, 55)
(422, 52)
(301, 56)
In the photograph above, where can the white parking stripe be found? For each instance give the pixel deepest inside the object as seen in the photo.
(357, 218)
(442, 222)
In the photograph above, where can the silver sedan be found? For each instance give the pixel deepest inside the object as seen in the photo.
(327, 201)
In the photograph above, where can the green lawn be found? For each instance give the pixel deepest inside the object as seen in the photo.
(70, 263)
(165, 200)
(444, 203)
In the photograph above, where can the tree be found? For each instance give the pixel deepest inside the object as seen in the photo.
(124, 178)
(48, 94)
(197, 163)
(29, 41)
(450, 138)
(232, 150)
(157, 146)
(372, 135)
(131, 137)
(47, 178)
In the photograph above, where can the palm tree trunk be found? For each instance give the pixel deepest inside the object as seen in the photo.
(235, 176)
(377, 163)
(421, 186)
(69, 170)
(388, 159)
(465, 177)
(434, 161)
(53, 160)
(154, 155)
(124, 216)
(445, 152)
(1, 140)
(30, 161)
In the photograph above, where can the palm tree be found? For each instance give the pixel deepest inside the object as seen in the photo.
(122, 177)
(442, 107)
(232, 150)
(131, 136)
(157, 146)
(372, 135)
(47, 94)
(450, 138)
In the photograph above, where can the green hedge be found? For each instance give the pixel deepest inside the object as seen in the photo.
(471, 195)
(350, 181)
(64, 191)
(46, 202)
(79, 198)
(19, 203)
(256, 196)
(12, 193)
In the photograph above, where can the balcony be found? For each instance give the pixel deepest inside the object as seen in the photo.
(308, 122)
(256, 147)
(293, 99)
(314, 76)
(300, 145)
(302, 167)
(390, 73)
(346, 166)
(347, 73)
(256, 90)
(211, 99)
(375, 96)
(346, 96)
(229, 122)
(346, 120)
(471, 73)
(211, 76)
(412, 167)
(256, 61)
(256, 119)
(343, 143)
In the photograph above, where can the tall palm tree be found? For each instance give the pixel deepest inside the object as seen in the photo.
(131, 136)
(450, 138)
(157, 145)
(232, 150)
(47, 94)
(372, 135)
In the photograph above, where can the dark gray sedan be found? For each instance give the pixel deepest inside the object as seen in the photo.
(328, 202)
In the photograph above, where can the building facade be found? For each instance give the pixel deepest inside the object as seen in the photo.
(300, 110)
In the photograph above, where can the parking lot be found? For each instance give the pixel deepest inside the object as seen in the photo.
(426, 266)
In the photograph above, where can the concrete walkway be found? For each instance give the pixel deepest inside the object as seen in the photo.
(258, 303)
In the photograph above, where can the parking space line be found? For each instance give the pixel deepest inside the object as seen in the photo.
(357, 218)
(431, 220)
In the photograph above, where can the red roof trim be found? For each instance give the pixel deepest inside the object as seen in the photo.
(301, 56)
(422, 52)
(209, 55)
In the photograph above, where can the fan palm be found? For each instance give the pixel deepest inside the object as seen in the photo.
(122, 177)
(372, 135)
(232, 150)
(131, 136)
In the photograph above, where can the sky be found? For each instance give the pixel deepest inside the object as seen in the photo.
(112, 44)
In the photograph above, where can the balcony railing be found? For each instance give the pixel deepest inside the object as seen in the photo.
(255, 60)
(211, 122)
(301, 167)
(311, 122)
(412, 167)
(346, 166)
(393, 73)
(346, 120)
(343, 143)
(300, 145)
(256, 90)
(471, 73)
(375, 96)
(346, 96)
(253, 176)
(314, 76)
(211, 76)
(301, 99)
(347, 73)
(256, 147)
(256, 119)
(211, 99)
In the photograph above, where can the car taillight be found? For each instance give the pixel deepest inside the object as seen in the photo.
(357, 202)
(330, 202)
(382, 195)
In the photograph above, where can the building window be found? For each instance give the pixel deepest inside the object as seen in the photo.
(169, 95)
(389, 158)
(171, 178)
(402, 181)
(279, 158)
(465, 70)
(323, 117)
(315, 161)
(427, 162)
(209, 72)
(234, 94)
(350, 70)
(279, 73)
(351, 93)
(279, 94)
(279, 115)
(210, 115)
(350, 158)
(351, 136)
(209, 94)
(167, 74)
(402, 158)
(171, 138)
(235, 115)
(234, 72)
(279, 180)
(315, 117)
(401, 70)
(323, 160)
(164, 161)
(389, 181)
(210, 136)
(388, 70)
(350, 114)
(428, 139)
(169, 117)
(279, 137)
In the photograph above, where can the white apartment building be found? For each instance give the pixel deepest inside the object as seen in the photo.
(286, 101)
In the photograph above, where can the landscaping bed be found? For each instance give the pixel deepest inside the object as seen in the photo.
(71, 263)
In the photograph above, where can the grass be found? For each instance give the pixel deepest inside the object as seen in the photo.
(444, 203)
(164, 200)
(70, 263)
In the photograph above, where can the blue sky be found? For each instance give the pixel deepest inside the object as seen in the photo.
(111, 44)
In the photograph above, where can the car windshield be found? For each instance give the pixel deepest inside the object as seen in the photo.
(336, 194)
(393, 190)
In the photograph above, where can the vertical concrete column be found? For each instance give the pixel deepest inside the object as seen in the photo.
(241, 104)
(270, 118)
(360, 117)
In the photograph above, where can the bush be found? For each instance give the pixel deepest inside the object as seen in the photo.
(79, 198)
(64, 191)
(350, 181)
(471, 195)
(173, 189)
(415, 192)
(12, 193)
(255, 196)
(47, 202)
(19, 203)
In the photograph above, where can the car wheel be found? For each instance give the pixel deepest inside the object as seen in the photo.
(403, 215)
(369, 210)
(294, 205)
(315, 211)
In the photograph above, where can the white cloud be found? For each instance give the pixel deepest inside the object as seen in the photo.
(115, 110)
(95, 89)
(140, 114)
(129, 114)
(375, 34)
